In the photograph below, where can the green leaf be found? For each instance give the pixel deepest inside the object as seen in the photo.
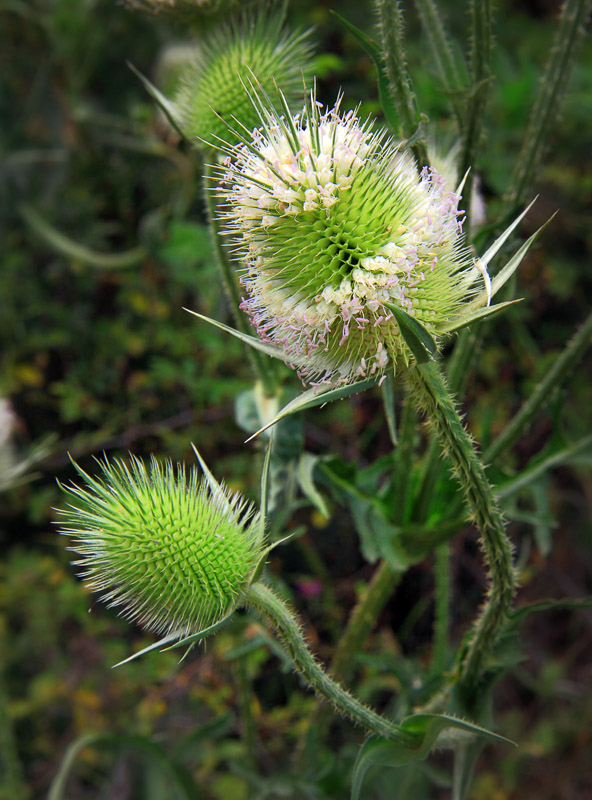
(253, 341)
(178, 640)
(305, 475)
(543, 462)
(388, 401)
(519, 615)
(316, 396)
(168, 108)
(429, 730)
(419, 341)
(508, 270)
(375, 53)
(468, 319)
(493, 249)
(71, 249)
(179, 778)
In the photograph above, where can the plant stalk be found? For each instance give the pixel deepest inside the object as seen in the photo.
(391, 25)
(547, 104)
(227, 273)
(561, 367)
(279, 617)
(481, 76)
(428, 391)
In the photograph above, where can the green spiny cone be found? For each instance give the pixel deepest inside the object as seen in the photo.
(335, 225)
(213, 94)
(173, 553)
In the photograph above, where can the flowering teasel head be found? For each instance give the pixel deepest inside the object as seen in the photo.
(212, 91)
(336, 228)
(174, 552)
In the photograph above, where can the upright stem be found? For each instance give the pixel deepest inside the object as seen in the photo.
(547, 105)
(227, 273)
(480, 73)
(428, 390)
(363, 618)
(275, 612)
(442, 620)
(391, 25)
(564, 363)
(442, 49)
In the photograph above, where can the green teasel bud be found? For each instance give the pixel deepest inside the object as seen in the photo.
(335, 225)
(174, 552)
(212, 92)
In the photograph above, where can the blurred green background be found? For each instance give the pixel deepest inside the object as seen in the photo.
(104, 242)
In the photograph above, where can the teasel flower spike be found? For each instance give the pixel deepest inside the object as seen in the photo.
(212, 89)
(174, 552)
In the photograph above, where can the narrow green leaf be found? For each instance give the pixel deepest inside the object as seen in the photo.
(168, 108)
(180, 779)
(71, 249)
(493, 249)
(388, 401)
(305, 475)
(506, 273)
(373, 50)
(542, 463)
(468, 319)
(203, 634)
(253, 341)
(428, 729)
(264, 505)
(419, 341)
(316, 396)
(519, 615)
(171, 637)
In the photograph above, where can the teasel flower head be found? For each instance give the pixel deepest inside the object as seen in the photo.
(445, 161)
(212, 91)
(335, 228)
(174, 552)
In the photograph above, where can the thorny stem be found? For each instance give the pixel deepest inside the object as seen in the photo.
(547, 105)
(391, 25)
(565, 362)
(276, 614)
(449, 73)
(227, 273)
(429, 393)
(480, 74)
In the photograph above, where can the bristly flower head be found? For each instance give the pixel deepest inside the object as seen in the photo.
(213, 87)
(335, 225)
(175, 553)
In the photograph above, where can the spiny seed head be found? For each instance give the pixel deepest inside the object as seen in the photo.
(332, 223)
(162, 545)
(213, 94)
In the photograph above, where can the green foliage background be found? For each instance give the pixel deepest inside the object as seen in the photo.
(96, 350)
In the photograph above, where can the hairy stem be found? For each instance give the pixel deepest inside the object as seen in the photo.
(227, 273)
(574, 350)
(547, 104)
(391, 25)
(480, 75)
(449, 72)
(428, 390)
(276, 614)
